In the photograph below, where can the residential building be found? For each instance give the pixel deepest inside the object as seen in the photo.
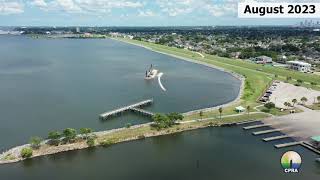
(299, 66)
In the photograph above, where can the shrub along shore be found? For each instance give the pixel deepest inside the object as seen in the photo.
(75, 141)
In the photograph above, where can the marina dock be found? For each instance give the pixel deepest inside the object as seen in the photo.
(274, 138)
(310, 147)
(288, 144)
(247, 122)
(115, 112)
(256, 126)
(266, 132)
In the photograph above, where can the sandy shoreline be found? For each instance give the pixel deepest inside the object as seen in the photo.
(82, 145)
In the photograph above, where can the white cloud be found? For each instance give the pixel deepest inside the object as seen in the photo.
(69, 5)
(158, 7)
(213, 7)
(39, 3)
(86, 6)
(221, 10)
(147, 13)
(177, 7)
(103, 6)
(7, 8)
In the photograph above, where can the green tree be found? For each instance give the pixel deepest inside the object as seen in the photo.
(304, 100)
(248, 110)
(287, 104)
(26, 152)
(128, 125)
(85, 132)
(299, 81)
(175, 116)
(294, 101)
(318, 98)
(90, 141)
(69, 134)
(201, 114)
(220, 112)
(35, 142)
(107, 143)
(162, 121)
(270, 105)
(54, 137)
(313, 83)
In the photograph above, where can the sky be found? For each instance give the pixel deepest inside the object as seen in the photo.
(128, 13)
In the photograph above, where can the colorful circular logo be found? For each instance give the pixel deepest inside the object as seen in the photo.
(291, 161)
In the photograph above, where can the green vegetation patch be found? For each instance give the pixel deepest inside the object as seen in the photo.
(26, 152)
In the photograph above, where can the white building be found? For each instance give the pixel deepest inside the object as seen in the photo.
(262, 60)
(299, 66)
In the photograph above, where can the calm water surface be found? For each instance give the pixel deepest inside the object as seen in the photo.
(213, 153)
(53, 84)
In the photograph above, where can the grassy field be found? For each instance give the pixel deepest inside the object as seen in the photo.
(278, 112)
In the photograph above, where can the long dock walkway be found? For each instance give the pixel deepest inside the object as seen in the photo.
(248, 122)
(274, 138)
(125, 108)
(288, 144)
(142, 111)
(256, 126)
(310, 147)
(266, 131)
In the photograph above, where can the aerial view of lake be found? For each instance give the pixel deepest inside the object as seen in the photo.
(52, 84)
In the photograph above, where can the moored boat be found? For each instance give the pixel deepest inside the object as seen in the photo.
(151, 73)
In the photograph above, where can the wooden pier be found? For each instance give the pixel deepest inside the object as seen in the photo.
(266, 132)
(115, 112)
(274, 138)
(288, 144)
(141, 111)
(256, 126)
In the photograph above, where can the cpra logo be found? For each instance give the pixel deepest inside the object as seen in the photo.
(291, 162)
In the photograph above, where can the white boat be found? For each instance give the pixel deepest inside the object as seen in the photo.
(151, 73)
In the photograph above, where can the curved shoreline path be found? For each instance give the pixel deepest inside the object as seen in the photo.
(200, 54)
(159, 81)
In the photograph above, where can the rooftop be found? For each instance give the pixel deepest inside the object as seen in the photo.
(316, 138)
(299, 63)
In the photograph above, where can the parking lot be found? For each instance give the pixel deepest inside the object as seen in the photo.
(283, 92)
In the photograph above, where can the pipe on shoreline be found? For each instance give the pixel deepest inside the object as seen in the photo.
(159, 81)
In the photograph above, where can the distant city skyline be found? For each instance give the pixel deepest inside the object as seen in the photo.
(127, 13)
